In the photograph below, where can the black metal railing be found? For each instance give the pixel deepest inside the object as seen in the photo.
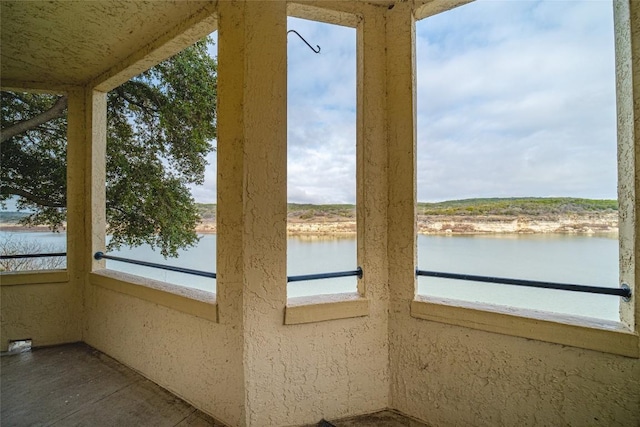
(304, 277)
(101, 255)
(623, 291)
(20, 256)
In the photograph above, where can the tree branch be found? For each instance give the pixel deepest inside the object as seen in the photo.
(121, 92)
(12, 191)
(52, 113)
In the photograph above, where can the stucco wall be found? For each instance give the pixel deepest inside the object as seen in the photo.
(195, 358)
(248, 368)
(45, 313)
(451, 376)
(48, 307)
(294, 374)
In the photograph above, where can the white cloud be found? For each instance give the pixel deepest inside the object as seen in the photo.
(206, 193)
(517, 99)
(321, 137)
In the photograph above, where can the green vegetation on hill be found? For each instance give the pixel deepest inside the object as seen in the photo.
(206, 210)
(531, 206)
(7, 217)
(307, 211)
(303, 211)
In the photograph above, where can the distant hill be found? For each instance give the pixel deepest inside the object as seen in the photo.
(7, 217)
(528, 206)
(208, 211)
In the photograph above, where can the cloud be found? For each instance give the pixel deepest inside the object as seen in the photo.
(517, 99)
(321, 114)
(206, 193)
(514, 99)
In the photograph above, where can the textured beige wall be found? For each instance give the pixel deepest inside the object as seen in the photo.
(249, 369)
(95, 36)
(450, 375)
(627, 41)
(51, 313)
(46, 313)
(297, 373)
(195, 358)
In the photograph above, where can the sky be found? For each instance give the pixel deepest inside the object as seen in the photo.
(321, 113)
(321, 116)
(515, 98)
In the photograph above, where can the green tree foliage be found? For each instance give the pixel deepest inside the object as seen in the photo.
(161, 126)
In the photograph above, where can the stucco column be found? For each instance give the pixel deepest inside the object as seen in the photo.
(627, 32)
(230, 207)
(252, 186)
(87, 116)
(265, 203)
(401, 115)
(231, 213)
(372, 159)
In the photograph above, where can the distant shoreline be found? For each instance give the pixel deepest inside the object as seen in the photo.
(430, 224)
(457, 224)
(528, 215)
(486, 224)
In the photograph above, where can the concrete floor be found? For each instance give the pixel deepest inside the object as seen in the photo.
(75, 384)
(379, 419)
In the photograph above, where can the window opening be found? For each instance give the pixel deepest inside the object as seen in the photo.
(33, 193)
(321, 157)
(516, 168)
(161, 170)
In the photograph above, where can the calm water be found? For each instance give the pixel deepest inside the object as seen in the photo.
(591, 260)
(588, 260)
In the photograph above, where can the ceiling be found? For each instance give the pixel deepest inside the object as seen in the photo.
(53, 44)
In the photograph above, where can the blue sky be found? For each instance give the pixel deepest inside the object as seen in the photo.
(515, 98)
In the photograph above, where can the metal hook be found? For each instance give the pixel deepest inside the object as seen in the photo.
(306, 42)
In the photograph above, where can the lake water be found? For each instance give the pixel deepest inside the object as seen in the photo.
(590, 260)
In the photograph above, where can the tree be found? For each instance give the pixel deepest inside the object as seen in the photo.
(14, 244)
(161, 125)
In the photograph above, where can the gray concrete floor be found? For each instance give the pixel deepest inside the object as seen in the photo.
(379, 419)
(76, 385)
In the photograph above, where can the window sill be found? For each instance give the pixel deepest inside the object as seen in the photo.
(321, 308)
(42, 277)
(593, 334)
(195, 302)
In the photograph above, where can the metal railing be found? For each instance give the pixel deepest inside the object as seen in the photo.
(623, 291)
(20, 256)
(304, 277)
(101, 255)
